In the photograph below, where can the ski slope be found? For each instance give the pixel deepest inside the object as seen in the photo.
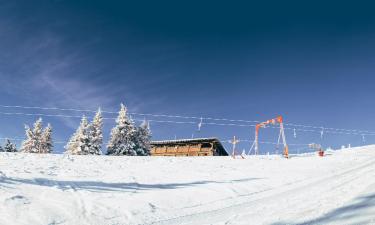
(306, 189)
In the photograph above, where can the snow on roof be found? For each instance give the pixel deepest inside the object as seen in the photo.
(185, 140)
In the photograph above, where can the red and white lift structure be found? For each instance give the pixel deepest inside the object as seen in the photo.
(277, 120)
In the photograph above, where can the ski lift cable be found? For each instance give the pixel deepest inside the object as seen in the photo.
(181, 117)
(179, 122)
(264, 142)
(176, 122)
(112, 112)
(328, 128)
(22, 139)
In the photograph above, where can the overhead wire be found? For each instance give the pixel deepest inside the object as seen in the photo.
(189, 122)
(187, 117)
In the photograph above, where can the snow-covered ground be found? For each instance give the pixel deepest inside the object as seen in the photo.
(306, 189)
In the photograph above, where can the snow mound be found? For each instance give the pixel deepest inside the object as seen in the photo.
(306, 189)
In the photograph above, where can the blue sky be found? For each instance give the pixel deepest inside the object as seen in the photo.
(313, 63)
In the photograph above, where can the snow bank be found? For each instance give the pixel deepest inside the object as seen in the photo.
(306, 189)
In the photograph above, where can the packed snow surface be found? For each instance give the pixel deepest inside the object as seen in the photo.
(306, 189)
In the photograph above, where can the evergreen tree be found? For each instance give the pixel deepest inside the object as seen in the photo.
(9, 146)
(79, 143)
(122, 135)
(72, 146)
(28, 144)
(96, 134)
(84, 137)
(33, 142)
(143, 138)
(1, 149)
(47, 144)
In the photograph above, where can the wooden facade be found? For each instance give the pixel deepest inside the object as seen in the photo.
(188, 147)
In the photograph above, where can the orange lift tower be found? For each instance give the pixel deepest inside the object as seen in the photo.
(277, 120)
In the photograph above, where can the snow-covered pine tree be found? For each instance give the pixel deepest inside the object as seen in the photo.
(47, 144)
(79, 142)
(28, 144)
(9, 146)
(122, 135)
(143, 138)
(1, 149)
(33, 142)
(96, 134)
(84, 141)
(72, 146)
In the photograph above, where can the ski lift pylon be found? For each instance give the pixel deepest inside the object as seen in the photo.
(200, 124)
(278, 120)
(322, 133)
(234, 143)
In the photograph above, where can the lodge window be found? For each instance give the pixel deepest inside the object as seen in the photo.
(206, 145)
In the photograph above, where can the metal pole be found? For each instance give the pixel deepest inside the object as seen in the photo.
(256, 142)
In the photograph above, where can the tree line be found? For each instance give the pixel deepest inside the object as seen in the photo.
(126, 138)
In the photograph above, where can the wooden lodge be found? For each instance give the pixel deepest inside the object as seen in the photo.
(188, 147)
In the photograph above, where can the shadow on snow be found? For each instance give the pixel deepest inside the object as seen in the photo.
(103, 186)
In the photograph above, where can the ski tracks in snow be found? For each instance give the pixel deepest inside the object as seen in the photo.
(226, 211)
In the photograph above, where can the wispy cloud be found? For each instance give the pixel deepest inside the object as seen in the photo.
(41, 71)
(46, 68)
